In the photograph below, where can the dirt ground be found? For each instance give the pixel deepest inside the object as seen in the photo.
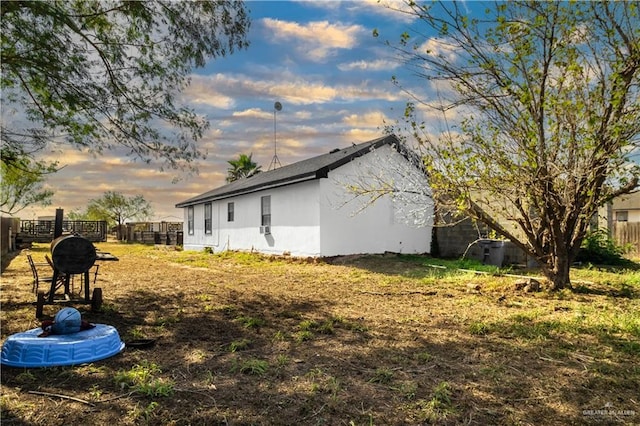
(242, 339)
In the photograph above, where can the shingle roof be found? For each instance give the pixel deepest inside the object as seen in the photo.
(627, 202)
(310, 169)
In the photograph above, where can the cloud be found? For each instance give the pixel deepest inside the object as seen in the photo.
(396, 10)
(68, 157)
(302, 115)
(359, 135)
(433, 115)
(86, 178)
(324, 108)
(316, 40)
(375, 65)
(288, 149)
(297, 90)
(201, 92)
(253, 113)
(372, 119)
(440, 48)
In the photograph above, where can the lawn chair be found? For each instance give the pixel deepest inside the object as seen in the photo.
(37, 277)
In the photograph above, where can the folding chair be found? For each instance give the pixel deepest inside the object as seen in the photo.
(37, 278)
(95, 267)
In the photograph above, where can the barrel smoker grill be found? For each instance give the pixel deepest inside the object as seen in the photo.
(72, 255)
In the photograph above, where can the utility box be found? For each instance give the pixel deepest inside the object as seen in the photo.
(492, 251)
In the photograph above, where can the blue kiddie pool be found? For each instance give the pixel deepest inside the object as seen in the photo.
(26, 349)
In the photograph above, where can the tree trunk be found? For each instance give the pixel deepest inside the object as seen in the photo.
(120, 231)
(558, 273)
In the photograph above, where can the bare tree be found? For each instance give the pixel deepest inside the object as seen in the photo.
(392, 171)
(548, 99)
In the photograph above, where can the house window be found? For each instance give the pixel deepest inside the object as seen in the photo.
(207, 218)
(265, 210)
(190, 220)
(622, 216)
(230, 212)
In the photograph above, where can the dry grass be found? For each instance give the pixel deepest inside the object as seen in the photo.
(384, 340)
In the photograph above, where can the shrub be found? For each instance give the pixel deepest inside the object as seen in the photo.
(598, 248)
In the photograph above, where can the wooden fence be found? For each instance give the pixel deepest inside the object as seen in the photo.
(9, 226)
(627, 234)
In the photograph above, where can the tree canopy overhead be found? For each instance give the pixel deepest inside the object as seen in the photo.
(541, 109)
(106, 74)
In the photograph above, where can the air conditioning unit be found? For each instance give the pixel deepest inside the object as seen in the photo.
(265, 230)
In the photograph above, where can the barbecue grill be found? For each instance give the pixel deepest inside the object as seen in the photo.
(71, 254)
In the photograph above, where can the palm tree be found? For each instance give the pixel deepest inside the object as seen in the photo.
(243, 167)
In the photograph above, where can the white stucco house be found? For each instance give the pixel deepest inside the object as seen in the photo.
(308, 209)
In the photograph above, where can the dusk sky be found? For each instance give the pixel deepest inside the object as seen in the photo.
(318, 59)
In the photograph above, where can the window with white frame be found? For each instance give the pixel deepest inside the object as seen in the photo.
(190, 220)
(230, 212)
(207, 218)
(265, 210)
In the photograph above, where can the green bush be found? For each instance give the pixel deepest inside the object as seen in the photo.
(600, 249)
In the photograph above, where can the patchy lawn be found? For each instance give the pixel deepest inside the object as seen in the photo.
(385, 340)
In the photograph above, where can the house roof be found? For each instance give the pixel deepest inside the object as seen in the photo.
(627, 202)
(310, 169)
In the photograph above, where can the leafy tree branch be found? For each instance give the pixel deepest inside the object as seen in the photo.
(107, 74)
(547, 99)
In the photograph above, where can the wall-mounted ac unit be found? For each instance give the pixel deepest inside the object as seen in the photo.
(265, 230)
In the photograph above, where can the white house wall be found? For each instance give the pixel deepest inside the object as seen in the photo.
(318, 217)
(294, 223)
(382, 226)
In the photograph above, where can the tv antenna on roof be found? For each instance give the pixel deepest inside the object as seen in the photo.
(275, 162)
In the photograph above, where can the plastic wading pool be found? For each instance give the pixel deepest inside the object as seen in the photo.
(26, 349)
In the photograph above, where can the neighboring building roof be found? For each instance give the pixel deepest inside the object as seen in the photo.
(627, 202)
(310, 169)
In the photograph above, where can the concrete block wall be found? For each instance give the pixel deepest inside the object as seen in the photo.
(454, 240)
